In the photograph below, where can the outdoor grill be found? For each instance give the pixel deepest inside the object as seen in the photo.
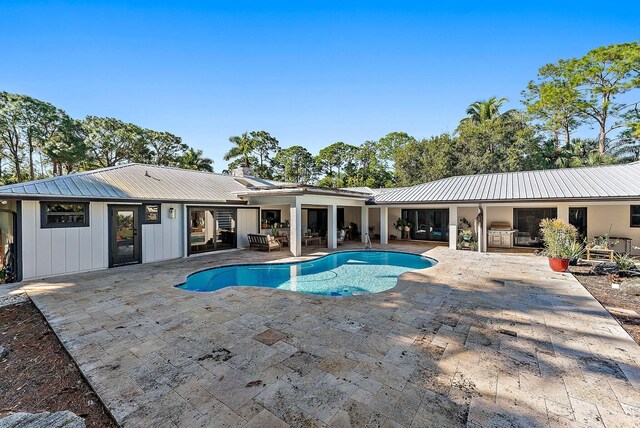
(501, 234)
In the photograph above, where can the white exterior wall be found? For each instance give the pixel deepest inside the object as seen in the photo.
(614, 220)
(164, 241)
(247, 222)
(57, 251)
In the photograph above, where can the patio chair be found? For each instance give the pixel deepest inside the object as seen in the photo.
(341, 236)
(263, 242)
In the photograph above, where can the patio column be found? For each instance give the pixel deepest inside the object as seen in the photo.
(563, 212)
(453, 227)
(332, 227)
(384, 224)
(295, 231)
(485, 237)
(364, 220)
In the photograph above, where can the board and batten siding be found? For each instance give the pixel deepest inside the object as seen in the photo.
(247, 222)
(58, 251)
(164, 241)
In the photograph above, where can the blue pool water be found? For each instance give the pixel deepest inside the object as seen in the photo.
(339, 274)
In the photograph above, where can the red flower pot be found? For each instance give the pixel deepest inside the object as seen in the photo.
(558, 265)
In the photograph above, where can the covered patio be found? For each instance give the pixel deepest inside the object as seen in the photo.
(479, 339)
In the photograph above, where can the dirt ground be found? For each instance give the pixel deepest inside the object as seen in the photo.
(37, 375)
(612, 299)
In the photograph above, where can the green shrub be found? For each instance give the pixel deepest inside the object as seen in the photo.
(624, 262)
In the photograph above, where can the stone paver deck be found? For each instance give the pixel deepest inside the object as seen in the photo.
(478, 340)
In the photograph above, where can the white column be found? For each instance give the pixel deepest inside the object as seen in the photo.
(453, 227)
(332, 227)
(485, 237)
(384, 225)
(295, 231)
(364, 220)
(563, 212)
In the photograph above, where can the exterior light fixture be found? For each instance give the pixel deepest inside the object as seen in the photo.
(172, 213)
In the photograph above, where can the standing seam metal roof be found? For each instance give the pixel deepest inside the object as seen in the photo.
(611, 181)
(139, 181)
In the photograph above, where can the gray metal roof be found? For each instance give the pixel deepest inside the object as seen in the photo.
(140, 182)
(607, 182)
(368, 190)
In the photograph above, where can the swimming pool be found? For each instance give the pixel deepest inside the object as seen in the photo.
(344, 273)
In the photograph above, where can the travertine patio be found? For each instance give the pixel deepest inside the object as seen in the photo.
(480, 339)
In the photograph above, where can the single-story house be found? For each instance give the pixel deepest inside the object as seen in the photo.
(137, 213)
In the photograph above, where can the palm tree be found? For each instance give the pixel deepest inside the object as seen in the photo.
(482, 111)
(194, 159)
(244, 147)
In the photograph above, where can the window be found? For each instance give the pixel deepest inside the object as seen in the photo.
(270, 217)
(64, 214)
(151, 213)
(635, 215)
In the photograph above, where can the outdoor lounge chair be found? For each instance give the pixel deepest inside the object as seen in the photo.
(263, 242)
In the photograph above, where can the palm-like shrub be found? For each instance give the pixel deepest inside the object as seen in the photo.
(560, 238)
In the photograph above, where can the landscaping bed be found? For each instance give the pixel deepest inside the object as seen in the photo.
(36, 373)
(624, 307)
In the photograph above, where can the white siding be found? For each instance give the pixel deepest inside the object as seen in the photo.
(62, 250)
(247, 223)
(163, 241)
(79, 249)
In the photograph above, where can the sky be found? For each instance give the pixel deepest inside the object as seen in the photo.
(309, 73)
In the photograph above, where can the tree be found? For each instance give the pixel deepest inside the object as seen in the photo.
(498, 143)
(601, 76)
(554, 101)
(265, 146)
(111, 142)
(427, 160)
(295, 165)
(370, 171)
(389, 147)
(333, 160)
(66, 147)
(164, 148)
(26, 124)
(244, 145)
(194, 159)
(483, 111)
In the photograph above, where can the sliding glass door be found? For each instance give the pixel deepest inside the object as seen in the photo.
(211, 229)
(527, 223)
(429, 224)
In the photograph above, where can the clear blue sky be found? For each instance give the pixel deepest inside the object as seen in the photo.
(310, 73)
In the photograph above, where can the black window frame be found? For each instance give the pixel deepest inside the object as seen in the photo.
(144, 214)
(632, 215)
(277, 219)
(44, 223)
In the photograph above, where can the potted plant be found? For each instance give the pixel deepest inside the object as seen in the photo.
(559, 242)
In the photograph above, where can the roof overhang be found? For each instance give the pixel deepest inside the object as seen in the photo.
(507, 201)
(16, 197)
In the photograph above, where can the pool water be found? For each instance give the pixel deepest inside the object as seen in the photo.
(339, 274)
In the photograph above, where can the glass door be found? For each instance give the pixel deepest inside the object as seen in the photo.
(527, 223)
(211, 229)
(124, 235)
(578, 218)
(429, 224)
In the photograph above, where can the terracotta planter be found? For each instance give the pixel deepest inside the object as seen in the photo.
(558, 265)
